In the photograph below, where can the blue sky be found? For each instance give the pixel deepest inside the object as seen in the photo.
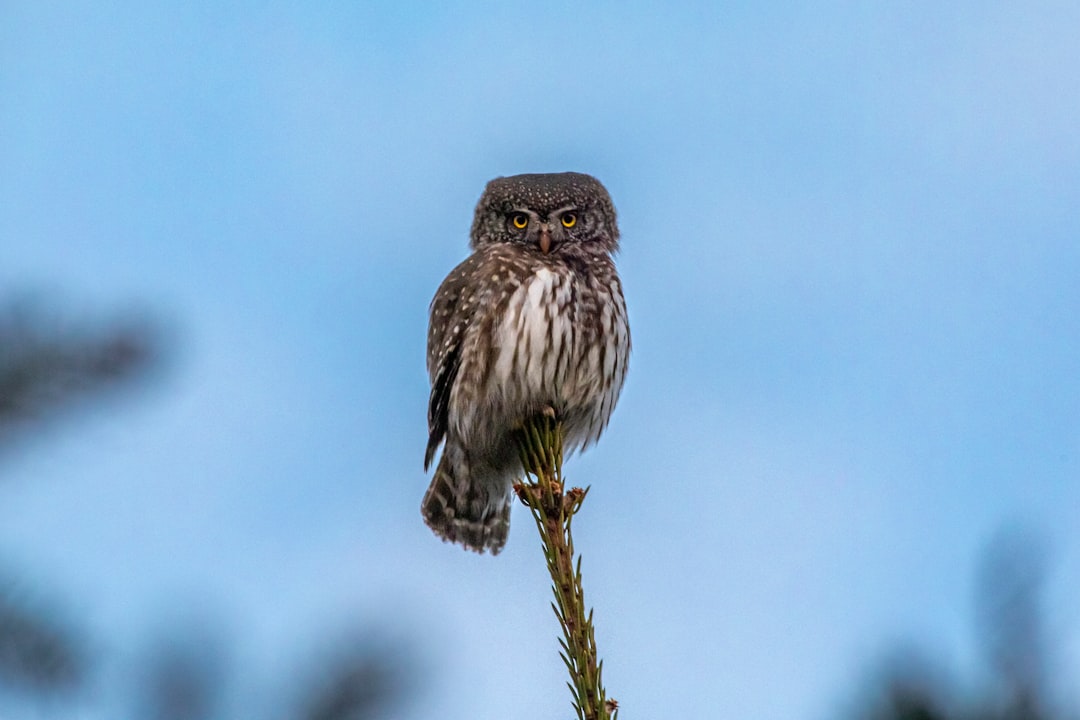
(850, 251)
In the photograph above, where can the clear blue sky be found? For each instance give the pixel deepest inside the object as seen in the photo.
(851, 251)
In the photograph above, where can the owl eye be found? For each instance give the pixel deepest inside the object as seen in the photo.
(520, 220)
(569, 219)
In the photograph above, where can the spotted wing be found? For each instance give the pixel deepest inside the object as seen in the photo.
(450, 314)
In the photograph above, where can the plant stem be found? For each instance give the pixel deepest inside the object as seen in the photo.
(541, 444)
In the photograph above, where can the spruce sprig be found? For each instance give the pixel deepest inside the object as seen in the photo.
(540, 443)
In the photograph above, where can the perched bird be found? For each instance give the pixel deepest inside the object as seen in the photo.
(533, 319)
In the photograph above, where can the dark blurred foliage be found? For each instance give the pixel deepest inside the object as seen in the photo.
(1010, 617)
(1010, 625)
(183, 677)
(359, 675)
(40, 653)
(50, 366)
(908, 686)
(362, 679)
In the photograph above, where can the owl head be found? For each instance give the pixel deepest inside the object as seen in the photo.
(547, 213)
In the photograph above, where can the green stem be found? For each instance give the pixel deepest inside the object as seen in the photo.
(541, 445)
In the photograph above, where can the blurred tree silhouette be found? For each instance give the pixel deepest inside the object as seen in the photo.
(49, 367)
(1010, 625)
(39, 652)
(360, 679)
(45, 369)
(183, 677)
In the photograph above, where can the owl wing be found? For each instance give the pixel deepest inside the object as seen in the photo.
(450, 314)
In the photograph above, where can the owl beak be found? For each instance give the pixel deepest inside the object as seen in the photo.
(545, 239)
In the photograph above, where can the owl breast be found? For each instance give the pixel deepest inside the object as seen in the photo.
(563, 342)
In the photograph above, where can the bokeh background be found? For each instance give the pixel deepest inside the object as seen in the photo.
(851, 252)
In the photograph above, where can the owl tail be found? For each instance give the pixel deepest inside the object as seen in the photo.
(466, 513)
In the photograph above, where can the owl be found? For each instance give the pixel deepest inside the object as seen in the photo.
(533, 319)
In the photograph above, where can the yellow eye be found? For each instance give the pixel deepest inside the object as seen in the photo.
(520, 220)
(569, 220)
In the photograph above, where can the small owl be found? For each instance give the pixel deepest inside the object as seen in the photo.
(533, 319)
